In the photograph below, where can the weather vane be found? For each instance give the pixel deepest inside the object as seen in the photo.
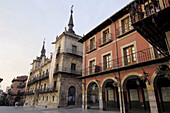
(72, 9)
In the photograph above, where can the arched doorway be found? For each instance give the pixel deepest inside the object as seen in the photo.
(92, 95)
(162, 92)
(135, 94)
(110, 95)
(71, 95)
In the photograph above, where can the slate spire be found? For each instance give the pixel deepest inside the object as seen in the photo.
(43, 49)
(70, 24)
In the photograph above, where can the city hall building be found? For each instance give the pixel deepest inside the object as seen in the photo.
(122, 71)
(67, 64)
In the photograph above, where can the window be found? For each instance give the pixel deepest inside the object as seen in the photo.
(126, 25)
(54, 87)
(44, 86)
(58, 51)
(107, 62)
(47, 72)
(47, 98)
(20, 84)
(106, 36)
(73, 68)
(74, 49)
(129, 55)
(92, 67)
(92, 44)
(53, 98)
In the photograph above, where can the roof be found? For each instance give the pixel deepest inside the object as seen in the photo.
(107, 22)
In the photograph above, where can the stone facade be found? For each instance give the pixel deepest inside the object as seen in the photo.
(66, 88)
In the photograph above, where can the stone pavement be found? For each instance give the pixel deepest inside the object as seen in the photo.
(9, 109)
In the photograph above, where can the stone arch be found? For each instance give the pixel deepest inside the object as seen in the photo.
(154, 75)
(110, 95)
(128, 75)
(112, 78)
(91, 81)
(92, 94)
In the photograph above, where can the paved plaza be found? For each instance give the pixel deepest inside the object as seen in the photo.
(9, 109)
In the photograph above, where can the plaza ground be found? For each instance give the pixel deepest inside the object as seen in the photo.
(11, 109)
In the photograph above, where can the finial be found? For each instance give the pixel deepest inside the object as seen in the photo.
(72, 9)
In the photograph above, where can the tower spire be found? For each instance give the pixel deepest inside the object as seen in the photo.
(43, 49)
(70, 24)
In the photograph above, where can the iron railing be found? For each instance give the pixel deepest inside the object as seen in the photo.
(135, 58)
(75, 52)
(46, 90)
(126, 27)
(29, 93)
(42, 77)
(141, 9)
(105, 39)
(68, 70)
(91, 47)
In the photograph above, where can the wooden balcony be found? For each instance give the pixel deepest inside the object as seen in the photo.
(151, 19)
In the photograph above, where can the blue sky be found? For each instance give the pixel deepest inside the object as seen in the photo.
(25, 23)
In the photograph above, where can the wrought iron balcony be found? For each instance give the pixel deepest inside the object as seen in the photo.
(91, 47)
(29, 93)
(32, 81)
(68, 70)
(105, 40)
(46, 90)
(124, 61)
(74, 52)
(42, 77)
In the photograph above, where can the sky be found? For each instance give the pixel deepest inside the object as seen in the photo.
(24, 24)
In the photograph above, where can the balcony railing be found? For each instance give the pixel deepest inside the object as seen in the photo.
(29, 93)
(123, 29)
(68, 70)
(75, 52)
(32, 81)
(46, 90)
(42, 77)
(144, 8)
(105, 40)
(91, 47)
(135, 58)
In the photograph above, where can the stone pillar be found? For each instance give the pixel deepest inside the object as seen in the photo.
(152, 99)
(120, 100)
(100, 99)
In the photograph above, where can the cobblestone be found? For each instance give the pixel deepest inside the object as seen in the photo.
(7, 109)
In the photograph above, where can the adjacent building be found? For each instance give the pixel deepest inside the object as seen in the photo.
(17, 90)
(121, 70)
(67, 64)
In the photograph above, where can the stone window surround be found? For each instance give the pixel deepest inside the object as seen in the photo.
(120, 22)
(127, 45)
(89, 63)
(102, 56)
